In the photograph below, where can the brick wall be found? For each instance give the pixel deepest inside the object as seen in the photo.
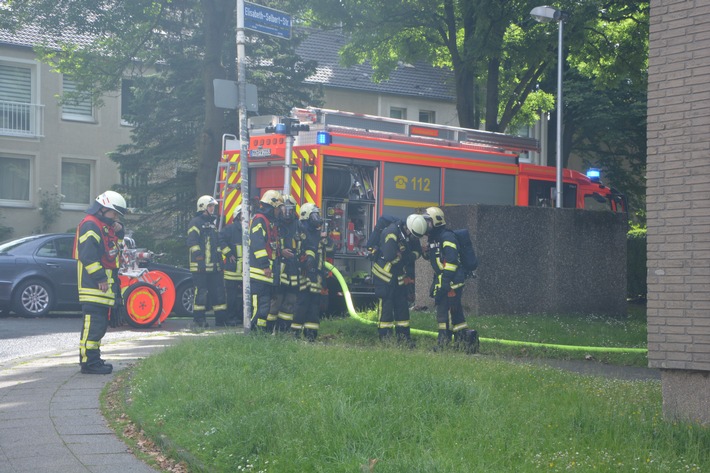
(678, 193)
(678, 206)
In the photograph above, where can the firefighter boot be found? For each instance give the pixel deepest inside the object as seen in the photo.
(311, 334)
(443, 338)
(472, 342)
(96, 368)
(404, 336)
(384, 333)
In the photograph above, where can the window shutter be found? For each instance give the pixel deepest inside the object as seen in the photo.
(76, 106)
(15, 84)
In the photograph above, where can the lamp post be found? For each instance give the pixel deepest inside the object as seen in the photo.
(546, 14)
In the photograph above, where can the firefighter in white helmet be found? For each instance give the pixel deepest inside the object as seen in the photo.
(230, 238)
(97, 248)
(393, 277)
(447, 287)
(306, 320)
(206, 266)
(285, 295)
(264, 251)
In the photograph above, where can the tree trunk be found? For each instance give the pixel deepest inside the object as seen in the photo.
(466, 103)
(217, 14)
(492, 94)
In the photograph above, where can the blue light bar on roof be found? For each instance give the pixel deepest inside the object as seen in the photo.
(323, 138)
(594, 174)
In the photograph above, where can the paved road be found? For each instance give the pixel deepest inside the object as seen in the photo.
(27, 337)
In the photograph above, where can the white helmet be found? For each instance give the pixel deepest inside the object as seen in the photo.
(204, 202)
(112, 200)
(310, 212)
(273, 198)
(417, 225)
(437, 216)
(237, 214)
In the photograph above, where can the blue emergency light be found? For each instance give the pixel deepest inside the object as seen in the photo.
(594, 174)
(323, 138)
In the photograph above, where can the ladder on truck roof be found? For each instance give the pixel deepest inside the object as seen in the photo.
(225, 169)
(339, 119)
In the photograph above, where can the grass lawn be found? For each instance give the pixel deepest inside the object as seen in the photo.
(231, 403)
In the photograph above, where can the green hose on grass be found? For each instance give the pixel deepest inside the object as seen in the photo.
(353, 313)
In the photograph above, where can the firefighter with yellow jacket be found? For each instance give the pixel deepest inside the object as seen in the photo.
(264, 254)
(97, 248)
(205, 260)
(231, 242)
(449, 278)
(306, 320)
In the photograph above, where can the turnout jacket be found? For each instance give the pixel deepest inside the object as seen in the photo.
(231, 242)
(313, 254)
(97, 251)
(203, 244)
(444, 258)
(263, 247)
(394, 253)
(290, 240)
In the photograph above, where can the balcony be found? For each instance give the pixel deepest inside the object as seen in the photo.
(21, 119)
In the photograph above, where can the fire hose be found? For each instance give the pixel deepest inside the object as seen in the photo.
(353, 313)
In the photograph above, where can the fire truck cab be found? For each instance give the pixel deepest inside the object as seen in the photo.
(357, 167)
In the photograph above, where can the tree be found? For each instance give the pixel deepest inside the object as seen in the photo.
(504, 65)
(172, 49)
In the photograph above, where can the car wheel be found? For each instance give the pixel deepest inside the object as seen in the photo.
(33, 298)
(184, 299)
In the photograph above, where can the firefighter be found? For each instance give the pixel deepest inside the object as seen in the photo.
(205, 260)
(231, 242)
(306, 320)
(284, 299)
(264, 250)
(447, 287)
(388, 270)
(97, 248)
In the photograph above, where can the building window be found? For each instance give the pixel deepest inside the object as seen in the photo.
(127, 99)
(16, 109)
(136, 185)
(76, 106)
(427, 116)
(76, 183)
(397, 112)
(15, 177)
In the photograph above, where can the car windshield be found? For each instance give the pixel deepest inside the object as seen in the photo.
(7, 246)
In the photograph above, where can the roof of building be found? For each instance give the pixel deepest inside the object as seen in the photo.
(31, 35)
(416, 80)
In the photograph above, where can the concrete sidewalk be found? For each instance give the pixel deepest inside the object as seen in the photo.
(50, 419)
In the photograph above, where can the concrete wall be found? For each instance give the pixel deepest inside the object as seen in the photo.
(678, 205)
(540, 260)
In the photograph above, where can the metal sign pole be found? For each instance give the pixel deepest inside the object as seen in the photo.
(244, 149)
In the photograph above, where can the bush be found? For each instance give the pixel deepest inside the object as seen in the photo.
(636, 263)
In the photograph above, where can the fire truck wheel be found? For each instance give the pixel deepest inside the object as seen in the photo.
(143, 305)
(184, 299)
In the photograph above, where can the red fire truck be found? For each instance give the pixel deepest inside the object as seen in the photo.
(356, 167)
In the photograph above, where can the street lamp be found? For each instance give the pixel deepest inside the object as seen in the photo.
(546, 14)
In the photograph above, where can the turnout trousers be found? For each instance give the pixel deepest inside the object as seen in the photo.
(235, 301)
(261, 304)
(209, 284)
(93, 330)
(449, 316)
(393, 309)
